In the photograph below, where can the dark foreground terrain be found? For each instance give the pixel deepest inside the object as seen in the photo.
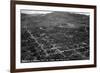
(56, 36)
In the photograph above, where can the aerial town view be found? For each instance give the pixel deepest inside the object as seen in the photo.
(48, 36)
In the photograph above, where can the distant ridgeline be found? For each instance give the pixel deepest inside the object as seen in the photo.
(59, 19)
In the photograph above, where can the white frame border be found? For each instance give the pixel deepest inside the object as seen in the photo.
(58, 63)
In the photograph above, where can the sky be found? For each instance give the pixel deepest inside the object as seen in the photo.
(46, 12)
(35, 12)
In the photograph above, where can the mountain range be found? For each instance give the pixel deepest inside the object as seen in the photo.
(59, 19)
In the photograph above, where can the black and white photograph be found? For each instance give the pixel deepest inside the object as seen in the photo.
(54, 36)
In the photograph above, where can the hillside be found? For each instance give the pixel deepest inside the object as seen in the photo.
(56, 19)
